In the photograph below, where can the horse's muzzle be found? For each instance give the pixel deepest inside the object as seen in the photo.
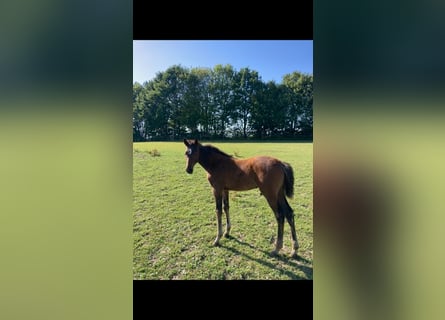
(189, 170)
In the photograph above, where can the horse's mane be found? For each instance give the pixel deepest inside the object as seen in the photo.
(208, 148)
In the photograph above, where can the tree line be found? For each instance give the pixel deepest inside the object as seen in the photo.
(222, 103)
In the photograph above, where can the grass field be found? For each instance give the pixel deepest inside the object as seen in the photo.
(175, 221)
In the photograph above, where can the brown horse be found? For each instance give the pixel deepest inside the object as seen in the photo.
(273, 177)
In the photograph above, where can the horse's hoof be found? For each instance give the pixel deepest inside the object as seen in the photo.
(226, 235)
(216, 243)
(294, 255)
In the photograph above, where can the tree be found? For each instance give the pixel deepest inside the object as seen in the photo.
(247, 84)
(221, 94)
(195, 99)
(221, 102)
(269, 111)
(138, 112)
(300, 97)
(173, 92)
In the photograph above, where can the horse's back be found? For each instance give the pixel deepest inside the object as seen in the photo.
(263, 169)
(265, 164)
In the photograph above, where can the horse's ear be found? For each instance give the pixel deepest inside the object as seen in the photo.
(196, 141)
(186, 143)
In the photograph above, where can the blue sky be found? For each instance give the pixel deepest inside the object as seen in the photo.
(271, 58)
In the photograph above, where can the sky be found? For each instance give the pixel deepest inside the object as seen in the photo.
(272, 59)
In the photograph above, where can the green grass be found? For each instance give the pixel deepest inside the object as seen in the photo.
(175, 221)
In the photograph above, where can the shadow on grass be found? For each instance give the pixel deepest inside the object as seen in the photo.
(292, 262)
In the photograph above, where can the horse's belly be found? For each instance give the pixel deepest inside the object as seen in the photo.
(241, 183)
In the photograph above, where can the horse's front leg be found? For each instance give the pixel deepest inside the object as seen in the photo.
(226, 211)
(218, 200)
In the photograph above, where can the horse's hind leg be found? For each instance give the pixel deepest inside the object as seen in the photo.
(279, 215)
(218, 200)
(279, 243)
(290, 220)
(226, 210)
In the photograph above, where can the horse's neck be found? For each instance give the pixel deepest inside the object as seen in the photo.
(210, 161)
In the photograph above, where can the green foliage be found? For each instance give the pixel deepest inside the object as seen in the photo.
(221, 103)
(174, 220)
(300, 97)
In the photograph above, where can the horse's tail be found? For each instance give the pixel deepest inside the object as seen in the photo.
(288, 184)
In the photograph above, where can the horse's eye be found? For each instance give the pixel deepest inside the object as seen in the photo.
(188, 152)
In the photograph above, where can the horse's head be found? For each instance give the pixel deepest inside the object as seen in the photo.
(192, 154)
